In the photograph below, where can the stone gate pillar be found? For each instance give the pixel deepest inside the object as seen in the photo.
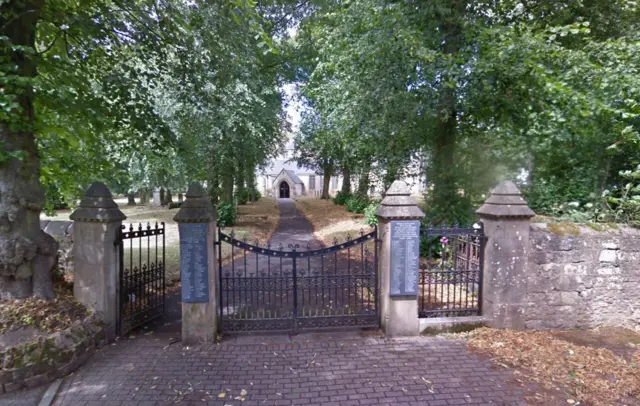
(97, 222)
(399, 234)
(506, 219)
(197, 226)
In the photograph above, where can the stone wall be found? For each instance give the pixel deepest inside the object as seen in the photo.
(62, 231)
(581, 278)
(49, 357)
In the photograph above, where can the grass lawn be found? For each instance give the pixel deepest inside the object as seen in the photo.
(330, 220)
(257, 220)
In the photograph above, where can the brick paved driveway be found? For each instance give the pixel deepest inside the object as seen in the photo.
(258, 371)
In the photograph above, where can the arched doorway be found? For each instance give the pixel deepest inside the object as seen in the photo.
(284, 190)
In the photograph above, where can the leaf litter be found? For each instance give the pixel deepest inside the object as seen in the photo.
(590, 375)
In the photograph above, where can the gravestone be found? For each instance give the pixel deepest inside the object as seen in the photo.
(156, 198)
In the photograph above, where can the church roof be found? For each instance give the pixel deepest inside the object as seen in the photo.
(277, 165)
(293, 176)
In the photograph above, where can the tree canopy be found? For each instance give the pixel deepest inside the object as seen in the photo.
(142, 94)
(485, 90)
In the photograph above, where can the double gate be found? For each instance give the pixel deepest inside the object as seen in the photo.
(141, 290)
(297, 288)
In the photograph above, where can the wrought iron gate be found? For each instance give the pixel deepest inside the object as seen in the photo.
(450, 282)
(141, 291)
(299, 288)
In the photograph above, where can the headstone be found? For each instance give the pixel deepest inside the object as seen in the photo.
(405, 254)
(156, 198)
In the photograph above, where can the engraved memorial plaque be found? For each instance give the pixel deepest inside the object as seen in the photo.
(194, 273)
(405, 253)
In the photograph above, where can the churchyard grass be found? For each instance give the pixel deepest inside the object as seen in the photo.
(329, 220)
(256, 220)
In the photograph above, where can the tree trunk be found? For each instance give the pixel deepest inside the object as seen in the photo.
(327, 171)
(251, 185)
(346, 180)
(144, 196)
(27, 254)
(364, 181)
(240, 185)
(131, 199)
(444, 171)
(167, 197)
(227, 187)
(162, 201)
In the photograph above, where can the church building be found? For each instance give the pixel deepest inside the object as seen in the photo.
(283, 178)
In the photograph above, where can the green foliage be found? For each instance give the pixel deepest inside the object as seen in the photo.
(430, 247)
(54, 200)
(341, 198)
(370, 214)
(243, 196)
(226, 214)
(357, 203)
(256, 195)
(459, 211)
(475, 91)
(624, 201)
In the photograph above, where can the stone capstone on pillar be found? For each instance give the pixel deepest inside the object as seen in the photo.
(506, 219)
(398, 314)
(97, 222)
(197, 226)
(98, 205)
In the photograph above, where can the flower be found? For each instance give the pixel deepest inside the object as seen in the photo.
(444, 241)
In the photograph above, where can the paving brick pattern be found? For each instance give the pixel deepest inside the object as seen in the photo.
(361, 371)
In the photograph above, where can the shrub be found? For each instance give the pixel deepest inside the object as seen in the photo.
(357, 203)
(431, 247)
(457, 211)
(226, 214)
(341, 198)
(256, 195)
(243, 196)
(623, 203)
(370, 214)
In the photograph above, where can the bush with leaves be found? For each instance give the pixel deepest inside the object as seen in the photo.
(243, 196)
(370, 217)
(357, 203)
(458, 211)
(341, 198)
(624, 202)
(226, 214)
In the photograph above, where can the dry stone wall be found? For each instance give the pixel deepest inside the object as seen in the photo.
(580, 278)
